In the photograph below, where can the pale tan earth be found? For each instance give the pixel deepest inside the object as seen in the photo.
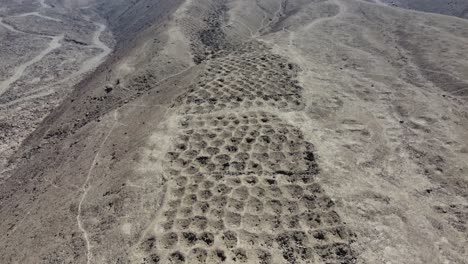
(268, 131)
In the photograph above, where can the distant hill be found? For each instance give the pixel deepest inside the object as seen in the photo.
(457, 8)
(126, 18)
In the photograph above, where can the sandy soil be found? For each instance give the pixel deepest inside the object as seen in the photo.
(301, 131)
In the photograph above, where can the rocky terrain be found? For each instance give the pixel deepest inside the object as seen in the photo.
(46, 50)
(268, 131)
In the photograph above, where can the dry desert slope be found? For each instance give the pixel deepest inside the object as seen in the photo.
(267, 131)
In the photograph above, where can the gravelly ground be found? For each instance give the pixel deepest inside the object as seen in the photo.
(255, 132)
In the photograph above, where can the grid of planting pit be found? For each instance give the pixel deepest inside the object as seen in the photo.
(254, 78)
(240, 186)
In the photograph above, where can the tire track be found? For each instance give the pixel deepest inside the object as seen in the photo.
(86, 187)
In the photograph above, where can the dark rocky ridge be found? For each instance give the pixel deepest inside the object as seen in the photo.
(458, 8)
(129, 18)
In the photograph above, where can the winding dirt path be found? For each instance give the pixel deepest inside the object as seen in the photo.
(292, 36)
(88, 65)
(86, 186)
(53, 44)
(39, 15)
(10, 28)
(94, 61)
(341, 11)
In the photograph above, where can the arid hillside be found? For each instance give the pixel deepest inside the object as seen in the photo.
(213, 131)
